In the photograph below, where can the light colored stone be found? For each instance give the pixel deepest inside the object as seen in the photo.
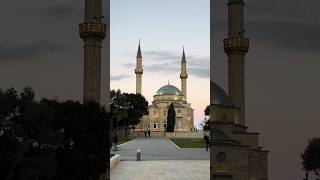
(114, 161)
(162, 170)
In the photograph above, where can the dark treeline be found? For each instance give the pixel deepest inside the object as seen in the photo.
(126, 109)
(51, 140)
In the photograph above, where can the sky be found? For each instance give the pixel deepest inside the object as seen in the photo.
(40, 46)
(163, 29)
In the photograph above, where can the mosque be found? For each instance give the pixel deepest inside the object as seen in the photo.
(236, 152)
(156, 120)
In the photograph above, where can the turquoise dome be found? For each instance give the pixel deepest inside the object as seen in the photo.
(169, 90)
(219, 96)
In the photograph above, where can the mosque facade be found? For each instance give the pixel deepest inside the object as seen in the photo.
(168, 94)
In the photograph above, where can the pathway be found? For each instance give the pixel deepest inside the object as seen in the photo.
(160, 160)
(159, 148)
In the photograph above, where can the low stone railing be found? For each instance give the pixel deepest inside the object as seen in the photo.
(114, 161)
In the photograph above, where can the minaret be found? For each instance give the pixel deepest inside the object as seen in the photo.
(92, 31)
(236, 46)
(184, 75)
(139, 71)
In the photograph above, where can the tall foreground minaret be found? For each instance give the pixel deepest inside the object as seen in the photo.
(139, 71)
(184, 75)
(236, 46)
(92, 31)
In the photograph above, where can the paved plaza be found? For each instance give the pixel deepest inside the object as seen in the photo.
(160, 160)
(162, 170)
(159, 148)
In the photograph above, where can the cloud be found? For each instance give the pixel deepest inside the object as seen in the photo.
(118, 77)
(291, 35)
(162, 67)
(200, 72)
(274, 10)
(169, 62)
(284, 25)
(161, 56)
(28, 51)
(129, 65)
(71, 11)
(61, 12)
(284, 10)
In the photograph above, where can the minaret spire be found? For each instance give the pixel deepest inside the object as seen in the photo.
(183, 56)
(139, 70)
(92, 31)
(236, 46)
(184, 74)
(139, 54)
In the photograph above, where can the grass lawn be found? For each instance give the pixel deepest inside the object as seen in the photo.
(188, 143)
(124, 140)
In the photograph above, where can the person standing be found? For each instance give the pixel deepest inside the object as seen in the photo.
(149, 132)
(145, 134)
(206, 139)
(115, 141)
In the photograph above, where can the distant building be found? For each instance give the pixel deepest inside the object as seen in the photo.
(168, 94)
(235, 152)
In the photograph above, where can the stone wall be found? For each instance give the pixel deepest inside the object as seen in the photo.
(229, 161)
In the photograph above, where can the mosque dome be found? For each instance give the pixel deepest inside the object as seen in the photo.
(169, 90)
(219, 96)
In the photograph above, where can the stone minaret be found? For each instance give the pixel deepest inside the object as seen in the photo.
(184, 75)
(236, 46)
(139, 71)
(92, 31)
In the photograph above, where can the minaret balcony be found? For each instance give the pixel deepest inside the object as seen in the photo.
(236, 44)
(94, 29)
(231, 2)
(138, 71)
(184, 76)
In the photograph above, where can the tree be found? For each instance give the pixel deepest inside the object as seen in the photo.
(171, 118)
(311, 157)
(118, 107)
(8, 103)
(127, 109)
(138, 107)
(50, 140)
(84, 152)
(24, 151)
(206, 119)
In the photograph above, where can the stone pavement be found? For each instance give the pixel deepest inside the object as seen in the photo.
(159, 148)
(162, 170)
(160, 160)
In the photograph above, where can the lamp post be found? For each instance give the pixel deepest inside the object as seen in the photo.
(306, 176)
